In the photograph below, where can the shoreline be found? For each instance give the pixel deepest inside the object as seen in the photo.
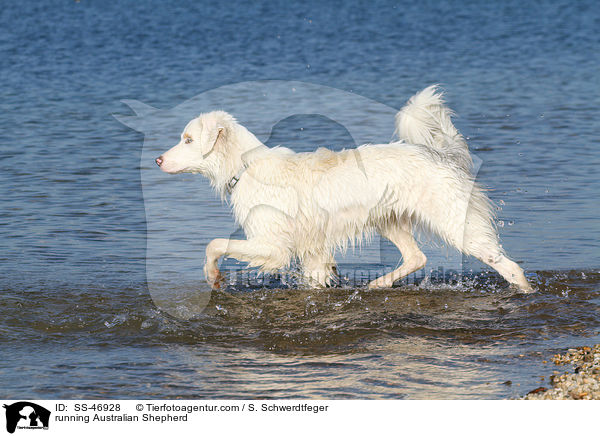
(581, 383)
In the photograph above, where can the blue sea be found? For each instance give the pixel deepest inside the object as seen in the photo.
(101, 285)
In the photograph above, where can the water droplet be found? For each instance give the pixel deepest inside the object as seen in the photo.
(510, 223)
(221, 309)
(500, 223)
(501, 203)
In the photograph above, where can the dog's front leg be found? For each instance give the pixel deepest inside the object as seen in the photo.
(269, 256)
(214, 250)
(320, 270)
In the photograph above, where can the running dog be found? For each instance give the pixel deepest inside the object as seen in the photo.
(304, 206)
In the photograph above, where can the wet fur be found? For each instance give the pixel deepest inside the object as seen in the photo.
(305, 206)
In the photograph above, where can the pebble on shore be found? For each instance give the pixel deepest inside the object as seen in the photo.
(582, 384)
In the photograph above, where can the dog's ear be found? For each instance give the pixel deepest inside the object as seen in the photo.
(210, 136)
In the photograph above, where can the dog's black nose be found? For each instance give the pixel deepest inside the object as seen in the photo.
(159, 161)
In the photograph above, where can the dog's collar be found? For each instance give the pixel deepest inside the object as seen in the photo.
(235, 179)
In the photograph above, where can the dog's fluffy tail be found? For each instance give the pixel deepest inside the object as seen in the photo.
(425, 120)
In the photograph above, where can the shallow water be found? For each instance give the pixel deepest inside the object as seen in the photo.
(432, 341)
(77, 314)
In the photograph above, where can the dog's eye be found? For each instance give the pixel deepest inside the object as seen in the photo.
(188, 140)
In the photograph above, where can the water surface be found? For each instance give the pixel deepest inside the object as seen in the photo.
(76, 316)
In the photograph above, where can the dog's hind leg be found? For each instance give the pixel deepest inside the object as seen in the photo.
(256, 252)
(413, 258)
(481, 241)
(508, 269)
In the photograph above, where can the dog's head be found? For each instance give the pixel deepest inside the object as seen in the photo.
(202, 138)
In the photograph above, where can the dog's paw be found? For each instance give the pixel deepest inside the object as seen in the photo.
(213, 277)
(381, 282)
(524, 288)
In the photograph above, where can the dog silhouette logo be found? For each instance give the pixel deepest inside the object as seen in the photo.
(26, 415)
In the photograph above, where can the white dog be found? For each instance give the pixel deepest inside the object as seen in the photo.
(306, 205)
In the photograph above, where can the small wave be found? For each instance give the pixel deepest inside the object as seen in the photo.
(479, 309)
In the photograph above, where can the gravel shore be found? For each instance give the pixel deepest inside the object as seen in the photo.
(583, 383)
